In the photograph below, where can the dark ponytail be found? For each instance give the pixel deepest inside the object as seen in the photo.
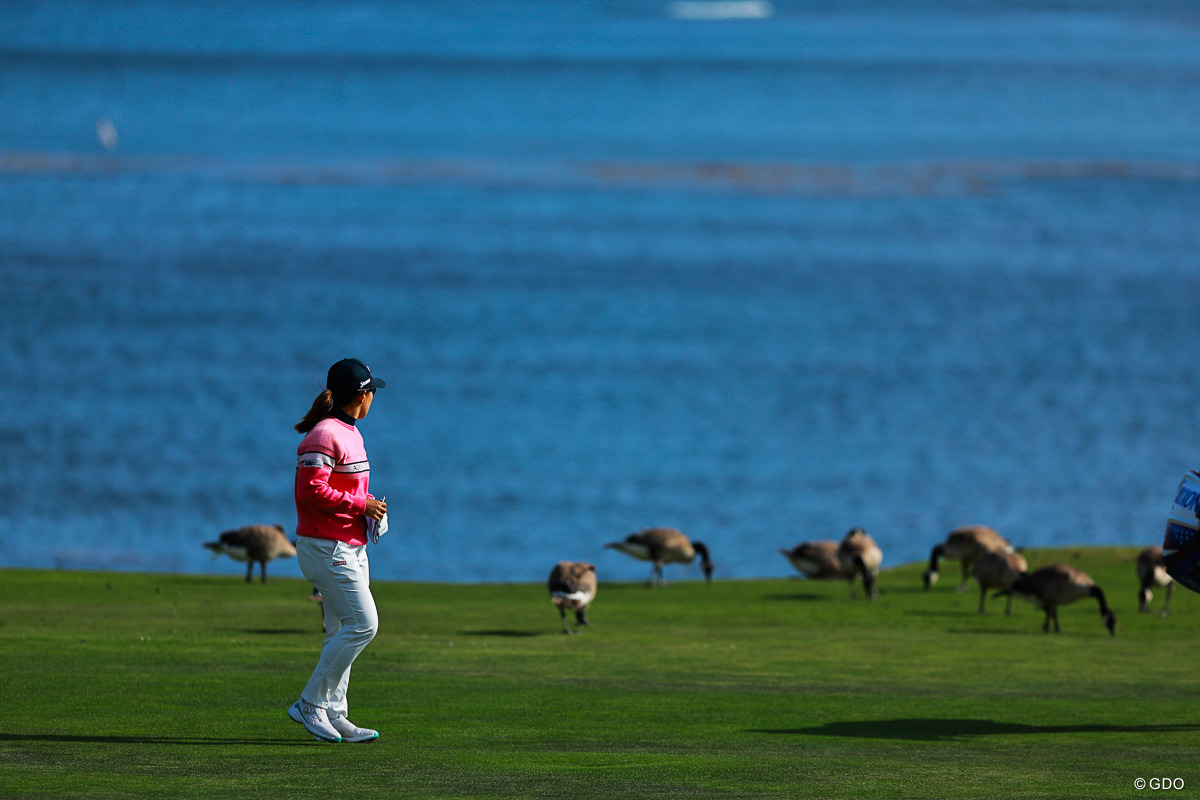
(319, 411)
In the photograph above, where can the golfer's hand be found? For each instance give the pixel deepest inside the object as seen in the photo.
(376, 508)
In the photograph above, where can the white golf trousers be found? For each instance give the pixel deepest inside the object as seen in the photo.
(342, 575)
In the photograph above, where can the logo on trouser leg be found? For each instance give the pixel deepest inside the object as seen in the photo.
(340, 563)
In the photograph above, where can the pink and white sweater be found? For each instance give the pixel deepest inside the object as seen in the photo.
(332, 473)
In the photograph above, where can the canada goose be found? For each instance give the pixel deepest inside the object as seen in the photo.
(572, 585)
(998, 570)
(1151, 572)
(664, 546)
(966, 544)
(859, 555)
(816, 559)
(1056, 585)
(254, 544)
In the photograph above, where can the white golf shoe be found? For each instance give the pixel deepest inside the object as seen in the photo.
(315, 721)
(351, 733)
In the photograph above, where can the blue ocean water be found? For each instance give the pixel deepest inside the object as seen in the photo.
(901, 265)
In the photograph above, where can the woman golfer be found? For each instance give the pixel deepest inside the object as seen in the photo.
(332, 509)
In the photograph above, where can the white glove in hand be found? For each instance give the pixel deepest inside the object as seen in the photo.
(377, 529)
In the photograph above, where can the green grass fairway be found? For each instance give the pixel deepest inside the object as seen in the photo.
(130, 685)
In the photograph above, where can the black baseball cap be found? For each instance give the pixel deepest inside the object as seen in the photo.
(349, 377)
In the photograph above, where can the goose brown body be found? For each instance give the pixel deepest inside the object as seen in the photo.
(998, 570)
(254, 544)
(860, 557)
(817, 559)
(1057, 585)
(1152, 572)
(662, 546)
(967, 544)
(572, 586)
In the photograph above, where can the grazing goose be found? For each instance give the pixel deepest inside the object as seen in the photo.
(998, 570)
(1151, 572)
(254, 544)
(859, 555)
(1056, 585)
(664, 546)
(966, 544)
(816, 559)
(572, 585)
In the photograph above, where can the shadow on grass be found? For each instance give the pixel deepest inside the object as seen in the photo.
(856, 597)
(797, 596)
(272, 631)
(949, 729)
(914, 588)
(941, 612)
(62, 738)
(501, 632)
